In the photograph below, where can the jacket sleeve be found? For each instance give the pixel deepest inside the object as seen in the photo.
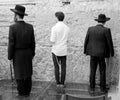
(11, 43)
(86, 41)
(33, 42)
(110, 42)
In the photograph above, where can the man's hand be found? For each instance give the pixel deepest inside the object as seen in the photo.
(11, 61)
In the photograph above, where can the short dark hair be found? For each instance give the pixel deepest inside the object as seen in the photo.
(60, 15)
(101, 21)
(21, 16)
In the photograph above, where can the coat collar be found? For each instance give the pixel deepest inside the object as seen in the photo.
(100, 25)
(22, 21)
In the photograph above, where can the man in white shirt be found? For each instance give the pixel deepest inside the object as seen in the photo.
(58, 38)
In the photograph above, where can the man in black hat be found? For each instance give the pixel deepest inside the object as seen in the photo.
(98, 44)
(21, 50)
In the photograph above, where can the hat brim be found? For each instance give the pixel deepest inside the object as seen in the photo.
(107, 19)
(18, 12)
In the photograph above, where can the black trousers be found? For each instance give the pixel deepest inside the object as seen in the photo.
(24, 86)
(59, 76)
(94, 61)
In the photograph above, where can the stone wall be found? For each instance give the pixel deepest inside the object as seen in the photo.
(80, 15)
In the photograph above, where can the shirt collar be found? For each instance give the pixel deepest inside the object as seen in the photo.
(60, 22)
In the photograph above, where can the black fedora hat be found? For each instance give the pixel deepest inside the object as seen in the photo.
(20, 10)
(102, 18)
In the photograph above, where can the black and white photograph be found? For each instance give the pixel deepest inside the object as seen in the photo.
(59, 49)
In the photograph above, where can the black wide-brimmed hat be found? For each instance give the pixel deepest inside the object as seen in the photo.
(20, 10)
(102, 18)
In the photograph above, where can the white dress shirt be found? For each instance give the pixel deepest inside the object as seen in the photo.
(59, 37)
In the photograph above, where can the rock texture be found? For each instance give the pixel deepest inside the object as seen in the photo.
(80, 15)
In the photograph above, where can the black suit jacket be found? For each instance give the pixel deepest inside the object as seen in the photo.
(21, 36)
(98, 42)
(21, 48)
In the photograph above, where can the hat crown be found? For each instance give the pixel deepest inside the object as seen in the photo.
(102, 16)
(20, 8)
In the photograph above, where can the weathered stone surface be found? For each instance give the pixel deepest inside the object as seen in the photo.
(80, 15)
(4, 64)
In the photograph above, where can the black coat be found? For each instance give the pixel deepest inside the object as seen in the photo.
(21, 48)
(98, 42)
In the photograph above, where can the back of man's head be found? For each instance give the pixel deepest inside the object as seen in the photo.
(103, 22)
(60, 15)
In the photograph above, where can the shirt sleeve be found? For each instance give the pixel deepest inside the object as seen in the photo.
(52, 37)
